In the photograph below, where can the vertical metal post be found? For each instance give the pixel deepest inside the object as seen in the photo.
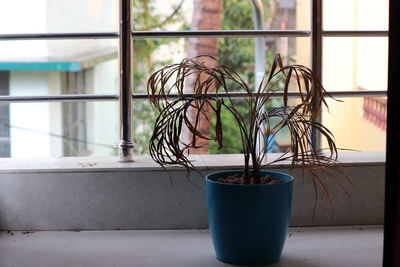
(259, 60)
(259, 42)
(316, 49)
(125, 82)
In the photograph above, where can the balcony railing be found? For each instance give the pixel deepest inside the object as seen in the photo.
(375, 111)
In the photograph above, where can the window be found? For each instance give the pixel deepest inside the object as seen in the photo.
(69, 63)
(47, 52)
(355, 58)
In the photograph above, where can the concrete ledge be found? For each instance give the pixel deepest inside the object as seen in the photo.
(87, 198)
(111, 164)
(305, 247)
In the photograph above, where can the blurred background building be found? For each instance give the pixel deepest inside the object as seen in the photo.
(55, 67)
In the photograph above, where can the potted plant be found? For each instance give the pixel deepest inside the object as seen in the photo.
(248, 209)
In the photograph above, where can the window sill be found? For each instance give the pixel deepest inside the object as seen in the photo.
(145, 163)
(75, 193)
(315, 246)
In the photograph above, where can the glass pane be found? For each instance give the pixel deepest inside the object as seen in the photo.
(355, 63)
(356, 15)
(357, 123)
(219, 14)
(59, 67)
(150, 55)
(32, 130)
(44, 16)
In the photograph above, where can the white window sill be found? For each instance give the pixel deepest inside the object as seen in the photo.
(315, 246)
(142, 163)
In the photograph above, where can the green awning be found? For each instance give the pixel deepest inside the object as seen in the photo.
(41, 66)
(70, 64)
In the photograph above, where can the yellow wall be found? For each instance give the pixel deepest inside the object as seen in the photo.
(350, 63)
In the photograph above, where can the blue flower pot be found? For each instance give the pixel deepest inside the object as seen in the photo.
(248, 223)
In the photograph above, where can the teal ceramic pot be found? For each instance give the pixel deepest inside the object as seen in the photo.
(248, 223)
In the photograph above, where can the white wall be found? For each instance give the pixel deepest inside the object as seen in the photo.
(22, 16)
(42, 16)
(47, 16)
(102, 117)
(81, 16)
(33, 116)
(55, 109)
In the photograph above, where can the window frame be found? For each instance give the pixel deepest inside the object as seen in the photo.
(126, 35)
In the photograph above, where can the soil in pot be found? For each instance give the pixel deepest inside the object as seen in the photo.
(238, 179)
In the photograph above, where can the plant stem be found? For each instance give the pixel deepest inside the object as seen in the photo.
(256, 168)
(246, 176)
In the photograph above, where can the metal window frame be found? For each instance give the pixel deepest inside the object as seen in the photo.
(125, 144)
(391, 239)
(316, 58)
(137, 97)
(125, 36)
(190, 34)
(59, 36)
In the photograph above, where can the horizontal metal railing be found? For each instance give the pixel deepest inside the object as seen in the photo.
(189, 34)
(355, 33)
(58, 98)
(294, 94)
(61, 36)
(219, 33)
(114, 97)
(157, 34)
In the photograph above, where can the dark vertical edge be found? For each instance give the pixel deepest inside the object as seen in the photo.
(316, 65)
(65, 107)
(125, 89)
(5, 133)
(391, 251)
